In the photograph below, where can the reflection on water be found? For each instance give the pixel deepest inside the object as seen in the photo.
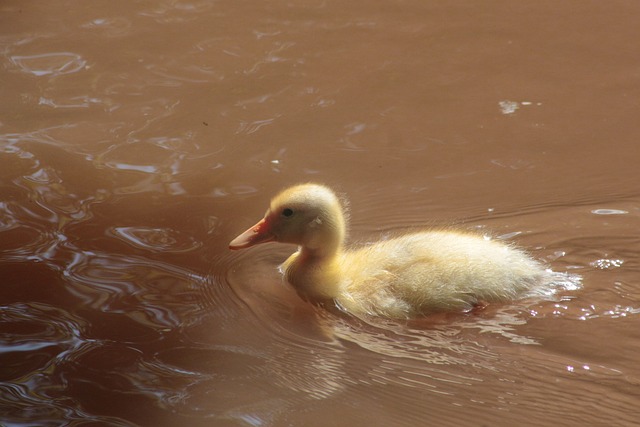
(156, 239)
(50, 63)
(135, 142)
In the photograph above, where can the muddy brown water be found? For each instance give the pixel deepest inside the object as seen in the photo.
(138, 138)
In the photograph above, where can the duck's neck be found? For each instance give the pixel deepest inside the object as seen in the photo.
(315, 274)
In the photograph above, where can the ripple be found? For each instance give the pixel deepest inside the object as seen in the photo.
(609, 212)
(177, 71)
(126, 370)
(254, 126)
(27, 239)
(606, 264)
(33, 336)
(7, 220)
(156, 239)
(84, 101)
(57, 63)
(154, 294)
(151, 169)
(113, 27)
(619, 311)
(509, 107)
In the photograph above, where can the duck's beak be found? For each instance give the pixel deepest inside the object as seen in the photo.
(259, 233)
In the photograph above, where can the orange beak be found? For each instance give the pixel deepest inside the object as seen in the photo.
(259, 233)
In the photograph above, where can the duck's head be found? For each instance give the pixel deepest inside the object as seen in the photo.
(308, 215)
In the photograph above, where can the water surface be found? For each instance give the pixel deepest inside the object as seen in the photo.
(138, 138)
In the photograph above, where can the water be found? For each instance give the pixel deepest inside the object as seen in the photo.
(137, 139)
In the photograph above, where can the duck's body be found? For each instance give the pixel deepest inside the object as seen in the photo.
(417, 274)
(409, 275)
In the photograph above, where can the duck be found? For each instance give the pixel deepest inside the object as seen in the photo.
(409, 275)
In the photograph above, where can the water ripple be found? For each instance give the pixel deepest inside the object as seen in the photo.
(38, 340)
(156, 239)
(152, 293)
(56, 63)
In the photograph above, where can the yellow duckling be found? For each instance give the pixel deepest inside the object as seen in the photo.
(402, 277)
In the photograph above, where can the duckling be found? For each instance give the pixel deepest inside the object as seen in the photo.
(402, 277)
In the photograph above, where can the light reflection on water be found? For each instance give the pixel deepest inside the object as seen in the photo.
(53, 64)
(135, 142)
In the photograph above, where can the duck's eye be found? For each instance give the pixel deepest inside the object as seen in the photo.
(286, 212)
